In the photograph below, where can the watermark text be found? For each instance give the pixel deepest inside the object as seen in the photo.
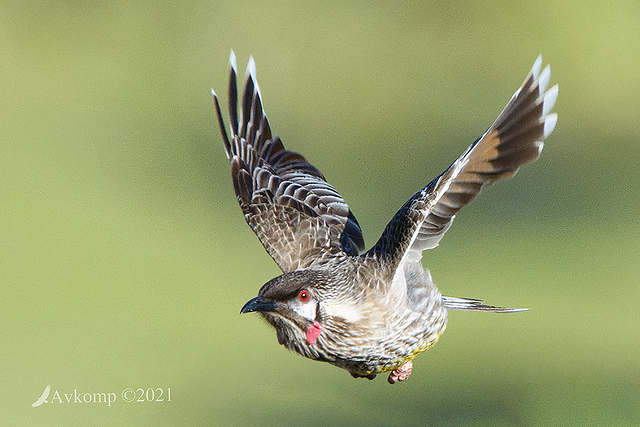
(128, 395)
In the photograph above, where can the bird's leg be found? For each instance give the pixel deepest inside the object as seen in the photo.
(401, 373)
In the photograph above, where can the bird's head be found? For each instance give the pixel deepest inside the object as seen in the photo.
(293, 304)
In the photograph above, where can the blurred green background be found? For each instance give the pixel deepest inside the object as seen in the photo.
(125, 258)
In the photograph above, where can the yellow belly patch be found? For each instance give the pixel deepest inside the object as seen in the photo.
(401, 361)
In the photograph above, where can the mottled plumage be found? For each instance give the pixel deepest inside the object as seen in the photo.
(367, 312)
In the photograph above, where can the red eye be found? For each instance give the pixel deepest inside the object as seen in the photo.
(303, 295)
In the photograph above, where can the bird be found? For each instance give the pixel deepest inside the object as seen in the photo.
(43, 398)
(368, 312)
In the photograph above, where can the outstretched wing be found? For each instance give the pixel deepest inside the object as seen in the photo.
(515, 138)
(300, 219)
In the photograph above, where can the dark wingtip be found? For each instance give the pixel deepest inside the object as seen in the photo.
(233, 93)
(223, 130)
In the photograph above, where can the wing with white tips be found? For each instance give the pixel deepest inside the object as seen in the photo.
(515, 138)
(298, 216)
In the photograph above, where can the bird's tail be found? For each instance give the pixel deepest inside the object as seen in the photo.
(467, 304)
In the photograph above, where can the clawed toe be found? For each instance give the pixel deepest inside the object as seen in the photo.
(401, 373)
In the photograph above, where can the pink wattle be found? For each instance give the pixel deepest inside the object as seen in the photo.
(313, 332)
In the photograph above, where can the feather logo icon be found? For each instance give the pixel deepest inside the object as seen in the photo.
(42, 399)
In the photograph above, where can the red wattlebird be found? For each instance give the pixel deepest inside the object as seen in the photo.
(367, 312)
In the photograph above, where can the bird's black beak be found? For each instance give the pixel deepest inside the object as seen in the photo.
(258, 304)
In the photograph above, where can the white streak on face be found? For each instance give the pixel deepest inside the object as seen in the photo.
(304, 309)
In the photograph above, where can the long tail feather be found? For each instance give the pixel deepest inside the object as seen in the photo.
(467, 304)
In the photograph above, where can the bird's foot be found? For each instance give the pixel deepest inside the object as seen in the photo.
(369, 377)
(401, 373)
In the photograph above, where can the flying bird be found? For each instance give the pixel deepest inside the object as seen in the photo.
(42, 399)
(372, 311)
